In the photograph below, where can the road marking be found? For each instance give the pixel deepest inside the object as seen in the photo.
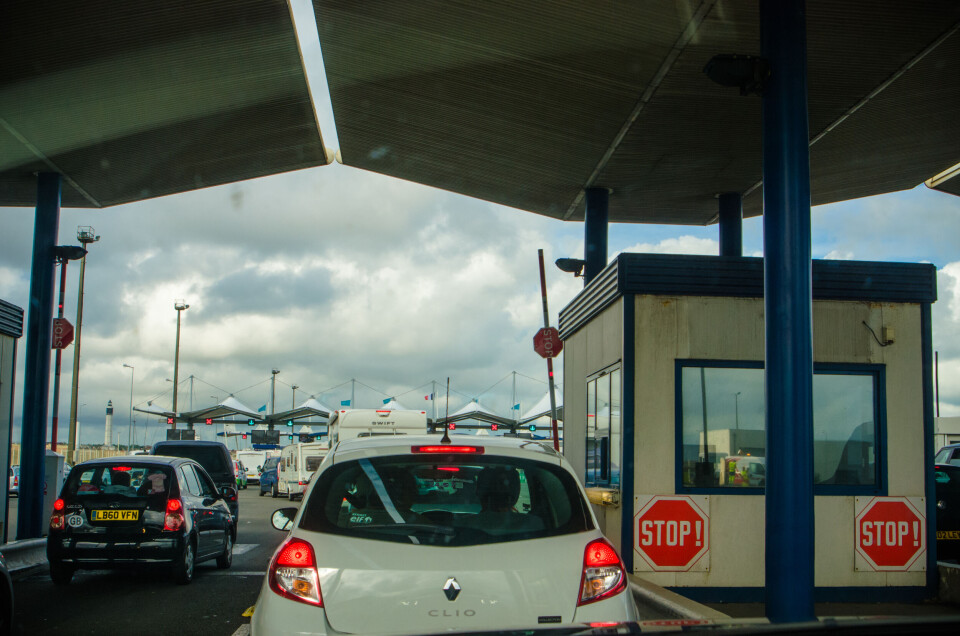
(234, 573)
(243, 630)
(243, 548)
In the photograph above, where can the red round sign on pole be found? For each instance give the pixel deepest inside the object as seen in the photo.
(672, 532)
(890, 534)
(547, 342)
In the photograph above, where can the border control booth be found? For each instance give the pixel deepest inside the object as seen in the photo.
(665, 422)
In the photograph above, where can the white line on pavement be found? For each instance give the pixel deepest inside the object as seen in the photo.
(243, 548)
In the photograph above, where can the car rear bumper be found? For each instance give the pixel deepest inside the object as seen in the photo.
(96, 554)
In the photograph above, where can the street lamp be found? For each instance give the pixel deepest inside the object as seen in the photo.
(86, 236)
(64, 253)
(293, 404)
(130, 433)
(179, 305)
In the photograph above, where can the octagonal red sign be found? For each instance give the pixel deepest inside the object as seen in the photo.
(672, 532)
(890, 533)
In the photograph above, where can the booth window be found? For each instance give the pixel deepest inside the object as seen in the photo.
(722, 430)
(603, 428)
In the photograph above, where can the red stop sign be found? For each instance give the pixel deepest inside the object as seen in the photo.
(890, 533)
(547, 342)
(62, 333)
(672, 533)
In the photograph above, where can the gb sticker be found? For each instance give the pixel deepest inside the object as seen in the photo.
(74, 521)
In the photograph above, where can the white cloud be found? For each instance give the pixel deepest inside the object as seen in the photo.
(684, 244)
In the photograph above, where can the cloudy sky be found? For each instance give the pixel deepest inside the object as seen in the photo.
(334, 273)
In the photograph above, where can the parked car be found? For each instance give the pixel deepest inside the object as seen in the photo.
(139, 511)
(215, 459)
(241, 472)
(268, 478)
(947, 477)
(949, 454)
(506, 515)
(14, 486)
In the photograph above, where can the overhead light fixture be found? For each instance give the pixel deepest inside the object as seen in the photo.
(571, 265)
(746, 72)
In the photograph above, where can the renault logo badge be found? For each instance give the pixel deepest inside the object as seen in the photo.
(452, 589)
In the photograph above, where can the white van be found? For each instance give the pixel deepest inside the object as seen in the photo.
(352, 423)
(253, 461)
(297, 464)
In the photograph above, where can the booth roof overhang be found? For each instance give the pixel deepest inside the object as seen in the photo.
(129, 101)
(526, 104)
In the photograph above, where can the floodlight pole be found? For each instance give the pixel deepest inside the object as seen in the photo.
(86, 235)
(64, 255)
(131, 436)
(180, 306)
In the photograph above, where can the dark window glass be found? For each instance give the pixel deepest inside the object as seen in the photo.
(313, 462)
(604, 428)
(189, 480)
(120, 482)
(210, 457)
(447, 500)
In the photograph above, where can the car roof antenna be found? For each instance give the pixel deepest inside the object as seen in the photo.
(446, 425)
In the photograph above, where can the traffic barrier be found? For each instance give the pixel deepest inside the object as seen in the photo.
(663, 600)
(949, 582)
(24, 555)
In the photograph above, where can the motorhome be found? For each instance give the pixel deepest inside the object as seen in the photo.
(351, 423)
(297, 464)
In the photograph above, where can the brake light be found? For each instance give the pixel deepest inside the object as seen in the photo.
(468, 450)
(56, 519)
(603, 572)
(173, 518)
(293, 573)
(58, 504)
(123, 468)
(449, 469)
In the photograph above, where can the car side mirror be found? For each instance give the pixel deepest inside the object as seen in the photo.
(229, 493)
(282, 519)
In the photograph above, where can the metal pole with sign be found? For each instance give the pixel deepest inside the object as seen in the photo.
(551, 350)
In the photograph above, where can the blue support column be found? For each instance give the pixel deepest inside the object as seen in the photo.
(731, 224)
(789, 314)
(36, 383)
(595, 233)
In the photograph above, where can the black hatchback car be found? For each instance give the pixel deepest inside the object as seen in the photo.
(137, 511)
(215, 459)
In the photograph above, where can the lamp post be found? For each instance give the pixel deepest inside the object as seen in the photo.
(130, 432)
(179, 305)
(293, 404)
(86, 235)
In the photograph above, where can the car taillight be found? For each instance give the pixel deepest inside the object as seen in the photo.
(293, 573)
(469, 450)
(56, 519)
(603, 573)
(174, 518)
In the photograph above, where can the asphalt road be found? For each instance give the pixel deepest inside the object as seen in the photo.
(148, 602)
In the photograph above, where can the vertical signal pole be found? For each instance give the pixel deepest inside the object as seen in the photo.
(546, 324)
(58, 358)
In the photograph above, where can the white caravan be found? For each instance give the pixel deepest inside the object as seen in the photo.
(297, 465)
(352, 423)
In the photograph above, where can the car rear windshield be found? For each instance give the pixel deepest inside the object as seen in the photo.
(271, 463)
(210, 457)
(119, 482)
(446, 500)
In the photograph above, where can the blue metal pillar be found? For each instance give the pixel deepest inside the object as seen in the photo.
(595, 233)
(36, 383)
(789, 314)
(731, 224)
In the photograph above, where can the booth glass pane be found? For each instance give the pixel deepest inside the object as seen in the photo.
(724, 443)
(616, 428)
(844, 430)
(724, 433)
(593, 449)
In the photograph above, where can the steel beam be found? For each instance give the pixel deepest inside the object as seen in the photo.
(595, 233)
(731, 224)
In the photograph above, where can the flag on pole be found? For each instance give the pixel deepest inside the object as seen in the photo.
(387, 401)
(428, 397)
(262, 409)
(344, 402)
(515, 407)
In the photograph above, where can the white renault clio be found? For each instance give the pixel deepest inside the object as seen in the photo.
(408, 534)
